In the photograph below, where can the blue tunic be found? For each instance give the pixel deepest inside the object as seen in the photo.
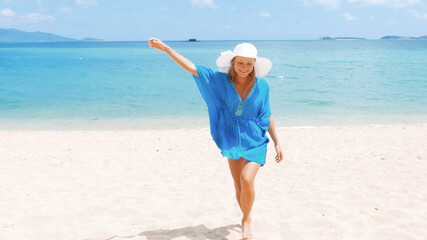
(237, 127)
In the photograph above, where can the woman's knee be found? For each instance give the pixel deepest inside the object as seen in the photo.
(246, 181)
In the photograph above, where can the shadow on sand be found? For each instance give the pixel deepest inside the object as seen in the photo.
(193, 233)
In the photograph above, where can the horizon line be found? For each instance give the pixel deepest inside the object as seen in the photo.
(266, 40)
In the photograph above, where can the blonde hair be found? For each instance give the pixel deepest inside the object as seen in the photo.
(232, 74)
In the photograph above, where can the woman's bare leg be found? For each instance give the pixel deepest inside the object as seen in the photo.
(244, 183)
(235, 169)
(247, 197)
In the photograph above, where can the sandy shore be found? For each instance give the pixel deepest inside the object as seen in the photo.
(335, 183)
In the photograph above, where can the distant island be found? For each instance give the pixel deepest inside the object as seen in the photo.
(383, 38)
(15, 35)
(341, 38)
(402, 38)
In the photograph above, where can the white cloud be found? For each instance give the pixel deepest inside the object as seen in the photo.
(66, 10)
(36, 17)
(417, 14)
(227, 27)
(233, 8)
(7, 16)
(388, 3)
(203, 3)
(6, 12)
(164, 9)
(265, 14)
(87, 3)
(349, 17)
(10, 17)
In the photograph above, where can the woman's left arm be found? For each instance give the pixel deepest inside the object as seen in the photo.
(273, 134)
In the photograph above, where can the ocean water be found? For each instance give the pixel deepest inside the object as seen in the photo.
(127, 85)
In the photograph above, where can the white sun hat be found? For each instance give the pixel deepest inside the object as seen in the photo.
(262, 65)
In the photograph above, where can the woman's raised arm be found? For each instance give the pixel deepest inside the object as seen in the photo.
(182, 61)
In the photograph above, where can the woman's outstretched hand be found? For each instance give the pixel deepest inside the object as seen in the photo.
(158, 44)
(279, 156)
(182, 61)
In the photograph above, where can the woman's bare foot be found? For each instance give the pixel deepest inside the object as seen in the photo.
(246, 229)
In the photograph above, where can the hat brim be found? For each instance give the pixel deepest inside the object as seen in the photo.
(262, 65)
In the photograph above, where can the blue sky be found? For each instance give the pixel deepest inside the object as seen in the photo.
(129, 20)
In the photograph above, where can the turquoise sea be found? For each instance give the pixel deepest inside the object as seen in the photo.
(127, 85)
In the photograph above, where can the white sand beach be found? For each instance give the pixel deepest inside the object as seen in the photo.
(364, 182)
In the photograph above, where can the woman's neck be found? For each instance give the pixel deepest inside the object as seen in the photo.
(241, 81)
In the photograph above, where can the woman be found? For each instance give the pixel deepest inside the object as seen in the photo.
(239, 114)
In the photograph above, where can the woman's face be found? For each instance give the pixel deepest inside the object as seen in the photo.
(243, 66)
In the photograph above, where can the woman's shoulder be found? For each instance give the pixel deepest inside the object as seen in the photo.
(262, 83)
(211, 71)
(220, 73)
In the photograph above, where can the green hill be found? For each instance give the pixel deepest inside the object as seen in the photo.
(15, 35)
